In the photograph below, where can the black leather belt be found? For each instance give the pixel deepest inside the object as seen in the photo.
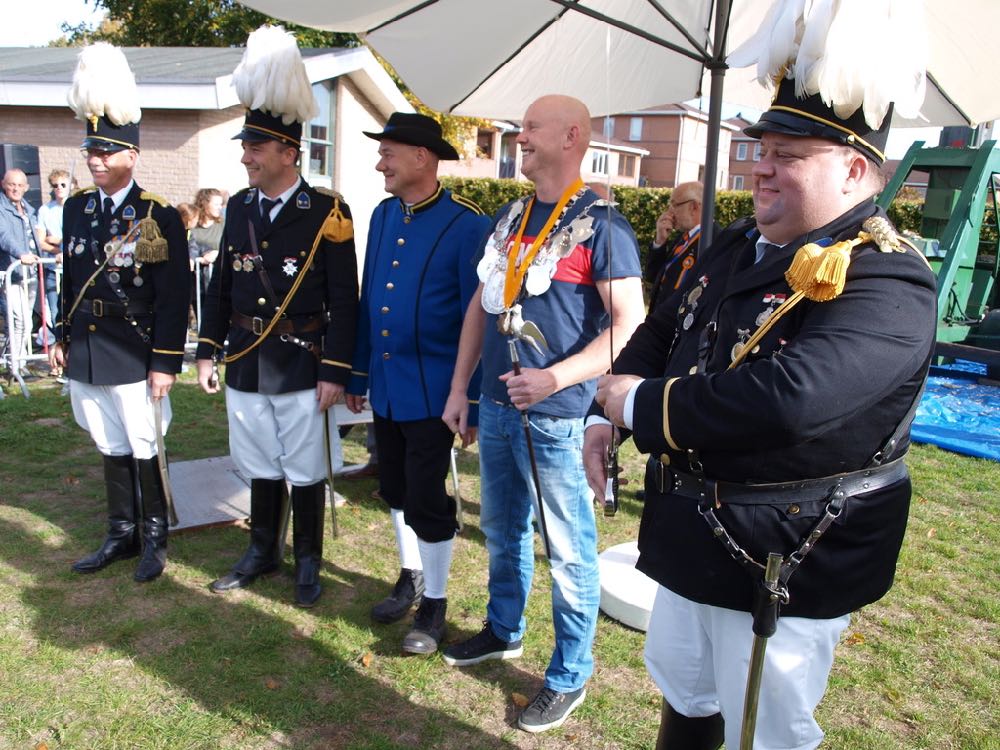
(100, 308)
(670, 481)
(257, 325)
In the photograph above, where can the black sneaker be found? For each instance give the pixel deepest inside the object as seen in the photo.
(480, 647)
(550, 709)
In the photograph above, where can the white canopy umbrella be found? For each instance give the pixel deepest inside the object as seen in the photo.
(492, 59)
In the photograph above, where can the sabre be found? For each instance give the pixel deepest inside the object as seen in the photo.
(329, 474)
(765, 621)
(516, 362)
(161, 461)
(458, 495)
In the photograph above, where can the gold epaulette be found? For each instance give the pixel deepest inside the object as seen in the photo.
(471, 205)
(337, 227)
(148, 196)
(329, 191)
(81, 191)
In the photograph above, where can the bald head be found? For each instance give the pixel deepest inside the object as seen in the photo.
(554, 137)
(15, 184)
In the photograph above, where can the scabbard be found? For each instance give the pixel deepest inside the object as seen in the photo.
(329, 474)
(765, 622)
(161, 461)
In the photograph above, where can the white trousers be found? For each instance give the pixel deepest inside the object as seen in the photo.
(20, 300)
(280, 436)
(119, 418)
(699, 656)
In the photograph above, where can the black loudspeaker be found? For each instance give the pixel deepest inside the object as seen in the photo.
(25, 158)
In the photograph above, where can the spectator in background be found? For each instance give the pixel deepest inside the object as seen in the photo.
(18, 242)
(670, 259)
(50, 246)
(207, 232)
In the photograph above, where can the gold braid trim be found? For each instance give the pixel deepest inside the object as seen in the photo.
(151, 247)
(779, 313)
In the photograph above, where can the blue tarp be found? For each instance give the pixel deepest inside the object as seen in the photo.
(958, 414)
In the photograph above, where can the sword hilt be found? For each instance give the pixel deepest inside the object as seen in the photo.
(611, 484)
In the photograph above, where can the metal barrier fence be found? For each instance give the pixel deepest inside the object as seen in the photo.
(23, 297)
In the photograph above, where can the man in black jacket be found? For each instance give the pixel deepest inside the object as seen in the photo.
(794, 353)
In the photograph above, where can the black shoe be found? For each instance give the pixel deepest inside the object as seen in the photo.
(550, 709)
(480, 647)
(429, 627)
(122, 541)
(368, 471)
(118, 546)
(236, 580)
(408, 591)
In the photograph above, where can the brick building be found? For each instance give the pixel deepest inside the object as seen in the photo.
(743, 154)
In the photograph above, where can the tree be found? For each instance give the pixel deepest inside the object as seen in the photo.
(188, 23)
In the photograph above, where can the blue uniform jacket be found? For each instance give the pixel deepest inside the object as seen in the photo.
(419, 277)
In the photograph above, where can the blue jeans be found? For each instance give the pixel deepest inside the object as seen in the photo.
(508, 495)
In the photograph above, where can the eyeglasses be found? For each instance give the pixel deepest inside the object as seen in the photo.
(54, 185)
(682, 203)
(101, 154)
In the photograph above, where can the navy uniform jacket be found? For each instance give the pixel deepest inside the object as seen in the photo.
(328, 287)
(419, 277)
(827, 386)
(112, 349)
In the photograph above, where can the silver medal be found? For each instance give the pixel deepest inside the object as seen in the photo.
(762, 318)
(688, 321)
(137, 281)
(78, 250)
(539, 279)
(735, 351)
(114, 278)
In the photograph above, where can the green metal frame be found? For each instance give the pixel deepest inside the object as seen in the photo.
(959, 183)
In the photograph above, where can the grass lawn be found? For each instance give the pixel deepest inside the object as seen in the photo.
(100, 662)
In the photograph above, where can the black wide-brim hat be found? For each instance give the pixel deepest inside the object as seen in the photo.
(259, 126)
(416, 130)
(811, 117)
(104, 135)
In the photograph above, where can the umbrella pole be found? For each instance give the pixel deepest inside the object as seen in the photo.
(765, 622)
(718, 67)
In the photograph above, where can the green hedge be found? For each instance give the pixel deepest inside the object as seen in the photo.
(642, 206)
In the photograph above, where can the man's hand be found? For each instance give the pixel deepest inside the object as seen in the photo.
(596, 440)
(58, 356)
(355, 403)
(28, 259)
(160, 383)
(328, 394)
(611, 393)
(530, 387)
(208, 378)
(456, 416)
(664, 226)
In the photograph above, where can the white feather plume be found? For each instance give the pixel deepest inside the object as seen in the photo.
(853, 53)
(272, 77)
(103, 85)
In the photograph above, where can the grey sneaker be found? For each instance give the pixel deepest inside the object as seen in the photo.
(550, 709)
(480, 647)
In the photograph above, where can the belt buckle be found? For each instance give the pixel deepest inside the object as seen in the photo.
(97, 308)
(257, 325)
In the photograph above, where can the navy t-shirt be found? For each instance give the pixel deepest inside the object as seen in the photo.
(570, 314)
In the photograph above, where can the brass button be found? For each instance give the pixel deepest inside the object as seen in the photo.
(665, 459)
(302, 253)
(230, 248)
(390, 286)
(407, 219)
(91, 327)
(385, 332)
(755, 349)
(793, 509)
(264, 245)
(93, 282)
(400, 241)
(395, 264)
(385, 356)
(261, 301)
(693, 370)
(385, 310)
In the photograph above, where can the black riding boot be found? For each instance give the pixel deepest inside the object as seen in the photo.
(154, 520)
(680, 732)
(267, 499)
(307, 541)
(123, 535)
(429, 627)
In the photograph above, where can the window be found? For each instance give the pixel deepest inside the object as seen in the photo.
(626, 165)
(741, 152)
(738, 179)
(599, 164)
(609, 127)
(484, 144)
(756, 152)
(317, 135)
(635, 129)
